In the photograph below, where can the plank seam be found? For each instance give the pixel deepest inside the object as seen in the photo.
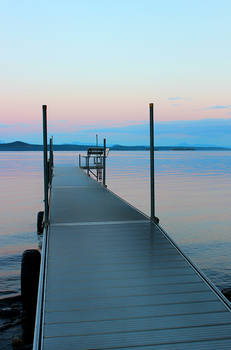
(141, 330)
(134, 305)
(129, 296)
(138, 317)
(87, 223)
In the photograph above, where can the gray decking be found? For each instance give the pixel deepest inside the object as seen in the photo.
(115, 281)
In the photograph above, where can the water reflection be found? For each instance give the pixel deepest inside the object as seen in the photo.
(193, 200)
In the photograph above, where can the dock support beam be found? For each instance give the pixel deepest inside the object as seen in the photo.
(45, 164)
(88, 164)
(51, 153)
(152, 172)
(50, 162)
(104, 162)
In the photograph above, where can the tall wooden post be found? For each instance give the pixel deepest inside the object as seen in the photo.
(104, 162)
(51, 153)
(45, 164)
(152, 174)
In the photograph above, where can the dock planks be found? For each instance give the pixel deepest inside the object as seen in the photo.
(115, 281)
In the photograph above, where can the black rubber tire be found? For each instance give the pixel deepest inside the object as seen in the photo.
(227, 293)
(30, 269)
(40, 223)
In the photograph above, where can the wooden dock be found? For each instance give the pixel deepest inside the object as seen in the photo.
(112, 279)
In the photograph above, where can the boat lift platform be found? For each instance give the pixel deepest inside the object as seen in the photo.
(112, 279)
(95, 160)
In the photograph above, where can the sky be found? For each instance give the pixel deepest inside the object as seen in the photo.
(98, 64)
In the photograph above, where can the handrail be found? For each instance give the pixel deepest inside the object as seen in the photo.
(98, 155)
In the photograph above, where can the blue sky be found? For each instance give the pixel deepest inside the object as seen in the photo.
(97, 64)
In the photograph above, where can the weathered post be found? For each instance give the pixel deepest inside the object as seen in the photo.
(45, 164)
(50, 163)
(96, 159)
(88, 165)
(104, 162)
(152, 182)
(51, 153)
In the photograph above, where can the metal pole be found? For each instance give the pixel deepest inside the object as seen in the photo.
(51, 152)
(152, 182)
(97, 170)
(104, 162)
(50, 161)
(88, 169)
(96, 159)
(45, 163)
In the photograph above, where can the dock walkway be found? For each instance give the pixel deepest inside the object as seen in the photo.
(114, 280)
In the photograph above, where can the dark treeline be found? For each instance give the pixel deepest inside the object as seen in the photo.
(22, 146)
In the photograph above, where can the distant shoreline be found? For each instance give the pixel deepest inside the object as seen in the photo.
(22, 147)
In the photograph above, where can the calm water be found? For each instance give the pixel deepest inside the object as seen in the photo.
(193, 201)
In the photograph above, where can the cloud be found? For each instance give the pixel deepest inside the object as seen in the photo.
(13, 125)
(4, 125)
(177, 98)
(219, 107)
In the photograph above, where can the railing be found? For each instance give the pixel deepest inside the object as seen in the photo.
(91, 163)
(95, 162)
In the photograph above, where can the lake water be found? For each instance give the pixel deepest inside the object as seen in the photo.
(193, 201)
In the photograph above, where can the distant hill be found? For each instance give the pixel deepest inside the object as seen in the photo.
(23, 146)
(19, 146)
